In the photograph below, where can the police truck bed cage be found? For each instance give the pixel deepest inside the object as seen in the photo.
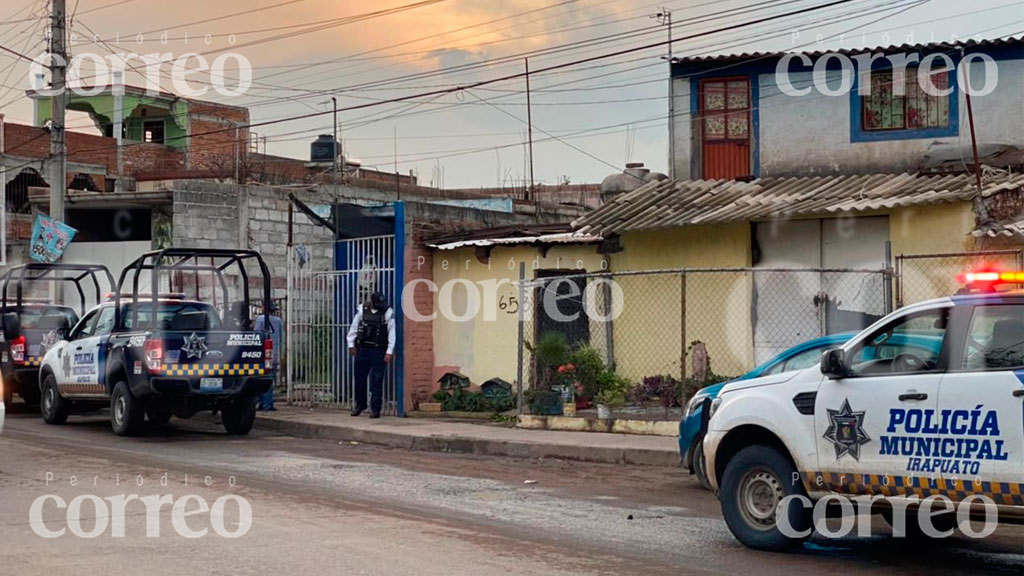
(187, 260)
(55, 273)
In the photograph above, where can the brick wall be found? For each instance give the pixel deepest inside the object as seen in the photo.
(215, 141)
(139, 158)
(419, 336)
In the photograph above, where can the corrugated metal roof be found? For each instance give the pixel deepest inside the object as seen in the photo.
(895, 48)
(1010, 229)
(562, 238)
(560, 233)
(669, 204)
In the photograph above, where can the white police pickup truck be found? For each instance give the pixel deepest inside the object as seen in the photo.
(928, 401)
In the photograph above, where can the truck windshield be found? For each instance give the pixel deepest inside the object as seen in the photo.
(167, 312)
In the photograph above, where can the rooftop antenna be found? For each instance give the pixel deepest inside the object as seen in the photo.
(664, 17)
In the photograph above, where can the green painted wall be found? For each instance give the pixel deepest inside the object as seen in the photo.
(101, 109)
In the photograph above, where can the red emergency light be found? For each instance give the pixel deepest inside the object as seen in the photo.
(991, 277)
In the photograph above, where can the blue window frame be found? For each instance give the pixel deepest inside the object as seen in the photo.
(865, 129)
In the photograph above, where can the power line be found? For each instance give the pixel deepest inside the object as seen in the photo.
(550, 68)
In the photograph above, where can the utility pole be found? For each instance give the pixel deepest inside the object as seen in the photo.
(665, 17)
(58, 80)
(335, 145)
(529, 125)
(970, 121)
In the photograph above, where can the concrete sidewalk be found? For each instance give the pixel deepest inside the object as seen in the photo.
(469, 438)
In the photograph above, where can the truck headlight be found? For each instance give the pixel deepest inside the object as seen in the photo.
(694, 403)
(714, 406)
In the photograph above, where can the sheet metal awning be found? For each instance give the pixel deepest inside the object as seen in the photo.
(669, 204)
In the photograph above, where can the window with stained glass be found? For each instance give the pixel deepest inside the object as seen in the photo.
(915, 109)
(726, 109)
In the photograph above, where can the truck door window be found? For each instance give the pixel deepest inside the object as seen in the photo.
(105, 322)
(908, 345)
(85, 328)
(995, 340)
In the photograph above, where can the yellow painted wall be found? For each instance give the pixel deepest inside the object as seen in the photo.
(486, 346)
(649, 336)
(649, 339)
(938, 229)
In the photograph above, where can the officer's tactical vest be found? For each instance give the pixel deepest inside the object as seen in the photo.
(373, 329)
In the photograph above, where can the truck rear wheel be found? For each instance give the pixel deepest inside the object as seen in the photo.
(127, 414)
(754, 484)
(239, 417)
(53, 408)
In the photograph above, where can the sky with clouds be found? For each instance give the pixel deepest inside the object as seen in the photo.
(589, 119)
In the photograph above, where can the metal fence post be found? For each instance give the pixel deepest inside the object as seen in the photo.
(887, 278)
(289, 337)
(682, 325)
(522, 317)
(899, 281)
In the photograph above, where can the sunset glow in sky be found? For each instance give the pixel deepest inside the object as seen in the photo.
(614, 110)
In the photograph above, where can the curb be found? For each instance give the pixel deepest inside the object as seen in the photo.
(466, 445)
(616, 425)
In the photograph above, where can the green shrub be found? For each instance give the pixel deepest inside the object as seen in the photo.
(589, 365)
(612, 389)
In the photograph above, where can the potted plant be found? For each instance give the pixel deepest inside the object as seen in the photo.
(568, 386)
(611, 394)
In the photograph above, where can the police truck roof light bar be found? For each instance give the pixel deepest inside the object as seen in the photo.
(991, 277)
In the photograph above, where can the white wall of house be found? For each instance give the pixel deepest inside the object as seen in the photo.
(810, 135)
(683, 134)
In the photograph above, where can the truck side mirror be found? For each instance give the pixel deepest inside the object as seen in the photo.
(833, 364)
(11, 326)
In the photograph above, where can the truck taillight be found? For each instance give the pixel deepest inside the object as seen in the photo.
(153, 350)
(18, 350)
(268, 353)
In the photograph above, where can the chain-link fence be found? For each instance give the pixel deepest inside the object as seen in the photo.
(924, 276)
(654, 323)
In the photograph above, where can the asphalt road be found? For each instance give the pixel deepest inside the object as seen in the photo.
(319, 507)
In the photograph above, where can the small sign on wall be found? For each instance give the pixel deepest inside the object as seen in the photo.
(49, 239)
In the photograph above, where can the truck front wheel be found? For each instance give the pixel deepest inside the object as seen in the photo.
(755, 482)
(53, 408)
(238, 417)
(127, 414)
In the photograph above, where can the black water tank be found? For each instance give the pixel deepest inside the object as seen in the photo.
(323, 149)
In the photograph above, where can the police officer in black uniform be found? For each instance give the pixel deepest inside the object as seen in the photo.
(371, 339)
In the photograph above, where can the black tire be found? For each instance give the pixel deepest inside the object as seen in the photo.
(127, 413)
(30, 393)
(53, 408)
(158, 416)
(698, 464)
(755, 481)
(239, 417)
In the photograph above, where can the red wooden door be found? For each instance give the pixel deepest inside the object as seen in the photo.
(725, 128)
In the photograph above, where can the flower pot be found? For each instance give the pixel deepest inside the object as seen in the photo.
(604, 412)
(569, 409)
